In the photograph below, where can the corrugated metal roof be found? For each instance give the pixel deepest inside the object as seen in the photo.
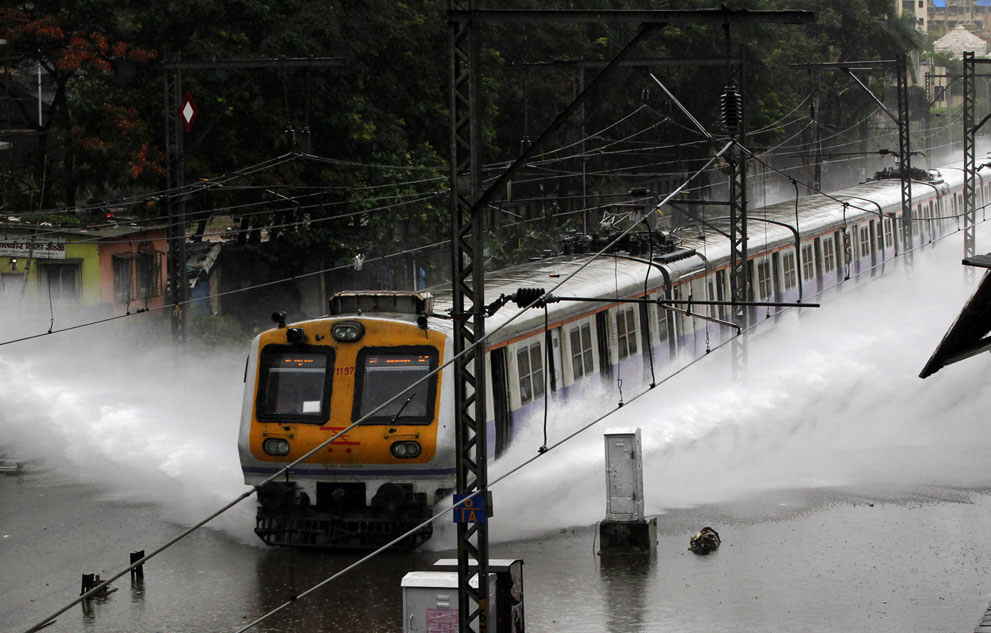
(968, 335)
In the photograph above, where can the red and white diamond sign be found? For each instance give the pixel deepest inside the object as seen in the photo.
(187, 112)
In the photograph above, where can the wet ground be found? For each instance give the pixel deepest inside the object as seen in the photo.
(812, 560)
(849, 494)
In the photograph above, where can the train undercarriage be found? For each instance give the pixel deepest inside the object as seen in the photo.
(340, 517)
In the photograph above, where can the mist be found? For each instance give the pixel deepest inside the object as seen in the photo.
(830, 400)
(113, 406)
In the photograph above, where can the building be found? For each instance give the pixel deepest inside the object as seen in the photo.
(110, 270)
(918, 9)
(946, 15)
(960, 40)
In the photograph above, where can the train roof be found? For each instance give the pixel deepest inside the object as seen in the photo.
(612, 275)
(622, 275)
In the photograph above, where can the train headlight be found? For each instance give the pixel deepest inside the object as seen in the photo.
(347, 331)
(406, 450)
(276, 446)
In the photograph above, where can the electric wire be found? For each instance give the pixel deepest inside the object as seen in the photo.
(288, 467)
(476, 344)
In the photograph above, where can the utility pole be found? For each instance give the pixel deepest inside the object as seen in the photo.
(175, 159)
(904, 151)
(969, 150)
(901, 119)
(467, 232)
(176, 199)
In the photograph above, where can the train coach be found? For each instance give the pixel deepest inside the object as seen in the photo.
(306, 382)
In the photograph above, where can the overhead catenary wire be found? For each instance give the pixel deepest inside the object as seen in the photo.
(248, 493)
(469, 349)
(545, 450)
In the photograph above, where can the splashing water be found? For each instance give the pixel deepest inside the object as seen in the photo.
(830, 399)
(111, 407)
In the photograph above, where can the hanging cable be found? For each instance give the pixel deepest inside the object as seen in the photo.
(481, 341)
(547, 365)
(798, 245)
(705, 276)
(646, 313)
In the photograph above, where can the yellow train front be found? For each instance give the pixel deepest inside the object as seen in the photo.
(307, 381)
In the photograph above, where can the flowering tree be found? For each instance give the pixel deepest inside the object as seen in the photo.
(91, 137)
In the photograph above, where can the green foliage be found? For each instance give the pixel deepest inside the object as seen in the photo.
(382, 116)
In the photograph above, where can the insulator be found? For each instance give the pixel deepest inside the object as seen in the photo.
(526, 296)
(731, 108)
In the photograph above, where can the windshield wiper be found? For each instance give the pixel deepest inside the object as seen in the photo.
(400, 412)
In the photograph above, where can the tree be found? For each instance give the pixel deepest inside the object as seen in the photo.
(89, 133)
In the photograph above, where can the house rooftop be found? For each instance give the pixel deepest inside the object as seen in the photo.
(121, 228)
(959, 40)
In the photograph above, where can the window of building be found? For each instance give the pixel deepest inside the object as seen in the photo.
(122, 278)
(788, 269)
(149, 274)
(530, 363)
(808, 262)
(581, 351)
(62, 280)
(137, 276)
(626, 332)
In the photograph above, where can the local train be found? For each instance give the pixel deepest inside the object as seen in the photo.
(306, 381)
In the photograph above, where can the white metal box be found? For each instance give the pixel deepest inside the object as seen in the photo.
(624, 475)
(430, 601)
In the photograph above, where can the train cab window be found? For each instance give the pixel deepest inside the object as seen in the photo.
(294, 384)
(383, 372)
(626, 332)
(530, 364)
(581, 351)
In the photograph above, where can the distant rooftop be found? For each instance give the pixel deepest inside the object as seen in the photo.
(941, 4)
(959, 40)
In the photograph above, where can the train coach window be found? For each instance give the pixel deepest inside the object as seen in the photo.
(865, 241)
(828, 255)
(530, 364)
(808, 262)
(764, 282)
(384, 372)
(294, 384)
(626, 332)
(662, 324)
(788, 267)
(581, 351)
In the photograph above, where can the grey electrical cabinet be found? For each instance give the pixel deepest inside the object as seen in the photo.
(624, 475)
(430, 601)
(509, 617)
